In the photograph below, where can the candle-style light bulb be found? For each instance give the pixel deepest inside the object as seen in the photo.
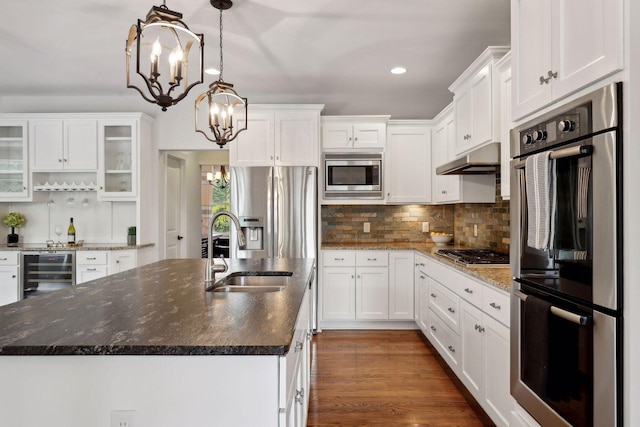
(156, 50)
(179, 56)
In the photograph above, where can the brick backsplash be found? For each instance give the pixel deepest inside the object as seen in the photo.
(403, 223)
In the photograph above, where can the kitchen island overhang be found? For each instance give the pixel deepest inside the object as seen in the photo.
(184, 356)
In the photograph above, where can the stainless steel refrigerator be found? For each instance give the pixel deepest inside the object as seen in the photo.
(278, 211)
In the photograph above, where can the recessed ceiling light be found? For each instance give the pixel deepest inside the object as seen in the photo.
(398, 70)
(212, 71)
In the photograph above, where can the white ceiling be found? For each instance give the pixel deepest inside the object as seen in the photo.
(332, 52)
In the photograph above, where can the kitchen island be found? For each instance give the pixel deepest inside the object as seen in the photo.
(152, 341)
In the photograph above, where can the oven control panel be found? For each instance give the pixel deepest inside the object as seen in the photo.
(557, 130)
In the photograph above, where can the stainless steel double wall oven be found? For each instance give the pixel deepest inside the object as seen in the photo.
(566, 303)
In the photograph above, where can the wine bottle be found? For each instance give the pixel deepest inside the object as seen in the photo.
(71, 233)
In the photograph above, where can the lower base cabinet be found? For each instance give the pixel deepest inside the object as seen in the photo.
(92, 265)
(9, 277)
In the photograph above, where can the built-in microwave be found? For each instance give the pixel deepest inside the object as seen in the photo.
(353, 175)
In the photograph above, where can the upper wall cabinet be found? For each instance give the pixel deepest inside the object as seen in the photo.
(561, 46)
(354, 132)
(476, 101)
(57, 144)
(14, 183)
(504, 77)
(278, 135)
(408, 162)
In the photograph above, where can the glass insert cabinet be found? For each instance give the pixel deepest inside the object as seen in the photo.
(13, 160)
(117, 178)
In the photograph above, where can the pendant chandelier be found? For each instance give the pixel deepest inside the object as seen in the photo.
(220, 179)
(222, 101)
(169, 77)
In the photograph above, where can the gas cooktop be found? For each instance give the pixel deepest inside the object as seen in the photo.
(476, 257)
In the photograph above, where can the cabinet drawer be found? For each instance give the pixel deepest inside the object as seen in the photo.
(9, 258)
(444, 340)
(471, 291)
(445, 304)
(496, 304)
(289, 363)
(372, 258)
(338, 258)
(91, 257)
(446, 276)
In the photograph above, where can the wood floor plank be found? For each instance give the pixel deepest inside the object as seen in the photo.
(385, 378)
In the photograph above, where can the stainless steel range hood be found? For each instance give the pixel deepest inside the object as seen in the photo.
(484, 160)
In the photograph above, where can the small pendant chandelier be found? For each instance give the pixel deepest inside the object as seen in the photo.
(222, 100)
(220, 179)
(168, 81)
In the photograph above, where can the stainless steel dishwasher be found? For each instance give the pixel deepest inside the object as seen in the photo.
(46, 271)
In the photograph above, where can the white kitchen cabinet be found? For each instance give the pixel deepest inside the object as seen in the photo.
(445, 340)
(401, 285)
(69, 144)
(338, 293)
(278, 136)
(118, 159)
(372, 293)
(449, 189)
(91, 265)
(504, 77)
(562, 46)
(484, 362)
(354, 132)
(9, 277)
(476, 102)
(295, 376)
(421, 293)
(408, 162)
(122, 260)
(14, 161)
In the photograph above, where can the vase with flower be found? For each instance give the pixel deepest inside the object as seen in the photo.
(13, 220)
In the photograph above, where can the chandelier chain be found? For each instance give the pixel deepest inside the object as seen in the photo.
(221, 63)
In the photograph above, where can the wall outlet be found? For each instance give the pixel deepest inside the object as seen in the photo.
(122, 418)
(367, 227)
(475, 230)
(425, 227)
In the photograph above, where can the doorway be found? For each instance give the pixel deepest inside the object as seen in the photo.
(173, 207)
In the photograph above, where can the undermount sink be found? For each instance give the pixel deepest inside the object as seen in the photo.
(252, 281)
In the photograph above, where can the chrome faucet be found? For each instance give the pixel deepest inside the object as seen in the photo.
(211, 268)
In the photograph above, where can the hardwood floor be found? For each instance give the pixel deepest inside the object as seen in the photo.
(385, 378)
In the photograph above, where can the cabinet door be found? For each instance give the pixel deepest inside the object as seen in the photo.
(446, 188)
(46, 144)
(401, 285)
(505, 127)
(254, 146)
(118, 159)
(472, 354)
(369, 135)
(408, 164)
(499, 402)
(296, 136)
(14, 170)
(463, 105)
(337, 135)
(372, 293)
(531, 54)
(123, 260)
(80, 145)
(9, 288)
(482, 107)
(338, 293)
(587, 42)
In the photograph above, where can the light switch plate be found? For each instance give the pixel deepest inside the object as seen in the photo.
(367, 227)
(425, 227)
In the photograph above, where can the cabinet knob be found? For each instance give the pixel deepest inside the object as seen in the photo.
(13, 276)
(271, 157)
(180, 237)
(277, 157)
(59, 160)
(358, 276)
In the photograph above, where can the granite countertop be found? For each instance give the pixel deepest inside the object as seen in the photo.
(159, 309)
(500, 277)
(84, 247)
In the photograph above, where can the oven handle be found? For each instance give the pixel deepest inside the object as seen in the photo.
(564, 314)
(578, 150)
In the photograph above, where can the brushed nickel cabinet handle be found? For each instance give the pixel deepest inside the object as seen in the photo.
(494, 305)
(469, 291)
(451, 349)
(451, 310)
(433, 295)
